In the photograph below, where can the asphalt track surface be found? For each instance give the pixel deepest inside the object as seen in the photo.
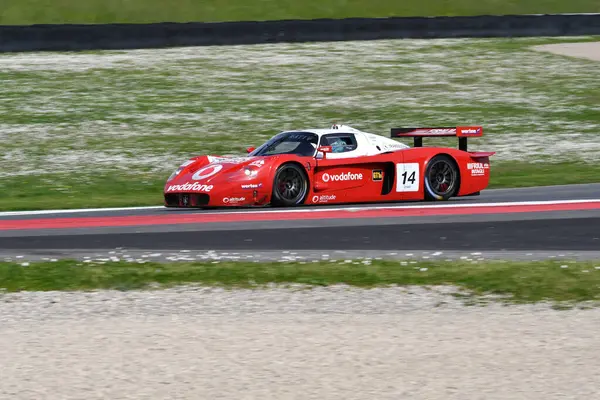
(370, 229)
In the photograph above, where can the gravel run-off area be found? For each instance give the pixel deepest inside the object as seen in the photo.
(292, 343)
(586, 50)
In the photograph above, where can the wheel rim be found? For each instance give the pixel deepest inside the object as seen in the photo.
(290, 185)
(442, 177)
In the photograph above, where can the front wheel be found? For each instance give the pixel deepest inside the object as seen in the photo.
(290, 186)
(441, 178)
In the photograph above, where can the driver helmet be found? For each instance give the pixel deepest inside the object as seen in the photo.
(337, 146)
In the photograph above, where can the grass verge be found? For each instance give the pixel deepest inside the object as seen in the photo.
(523, 282)
(107, 128)
(138, 11)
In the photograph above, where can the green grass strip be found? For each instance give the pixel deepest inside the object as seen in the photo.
(525, 282)
(138, 11)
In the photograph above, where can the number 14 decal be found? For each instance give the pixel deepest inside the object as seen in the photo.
(410, 178)
(407, 177)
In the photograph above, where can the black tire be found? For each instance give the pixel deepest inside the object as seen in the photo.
(290, 186)
(442, 178)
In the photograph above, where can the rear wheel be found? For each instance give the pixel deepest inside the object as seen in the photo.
(290, 186)
(441, 178)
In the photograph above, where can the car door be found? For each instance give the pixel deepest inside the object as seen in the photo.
(343, 173)
(351, 172)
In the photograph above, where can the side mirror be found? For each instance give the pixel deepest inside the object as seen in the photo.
(322, 151)
(250, 149)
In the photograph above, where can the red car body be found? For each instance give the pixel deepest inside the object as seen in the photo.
(380, 171)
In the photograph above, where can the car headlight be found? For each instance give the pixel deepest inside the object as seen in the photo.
(181, 168)
(174, 174)
(250, 172)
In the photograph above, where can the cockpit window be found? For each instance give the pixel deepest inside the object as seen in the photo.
(340, 142)
(299, 143)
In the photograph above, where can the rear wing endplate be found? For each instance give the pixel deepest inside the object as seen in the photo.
(461, 132)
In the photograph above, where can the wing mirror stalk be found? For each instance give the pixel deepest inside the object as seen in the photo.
(322, 152)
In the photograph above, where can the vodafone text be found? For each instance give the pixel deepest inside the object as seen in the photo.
(196, 187)
(347, 176)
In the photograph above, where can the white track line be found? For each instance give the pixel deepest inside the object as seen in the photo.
(303, 210)
(441, 205)
(77, 210)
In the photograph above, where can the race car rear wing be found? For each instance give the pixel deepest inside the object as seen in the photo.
(461, 132)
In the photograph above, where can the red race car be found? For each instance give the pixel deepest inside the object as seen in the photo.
(336, 165)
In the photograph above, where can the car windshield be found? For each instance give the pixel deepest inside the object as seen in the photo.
(299, 143)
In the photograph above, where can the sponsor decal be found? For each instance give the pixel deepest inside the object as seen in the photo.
(394, 146)
(195, 187)
(377, 174)
(470, 131)
(323, 198)
(307, 137)
(227, 160)
(206, 172)
(478, 165)
(252, 186)
(344, 176)
(477, 169)
(232, 200)
(235, 160)
(435, 131)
